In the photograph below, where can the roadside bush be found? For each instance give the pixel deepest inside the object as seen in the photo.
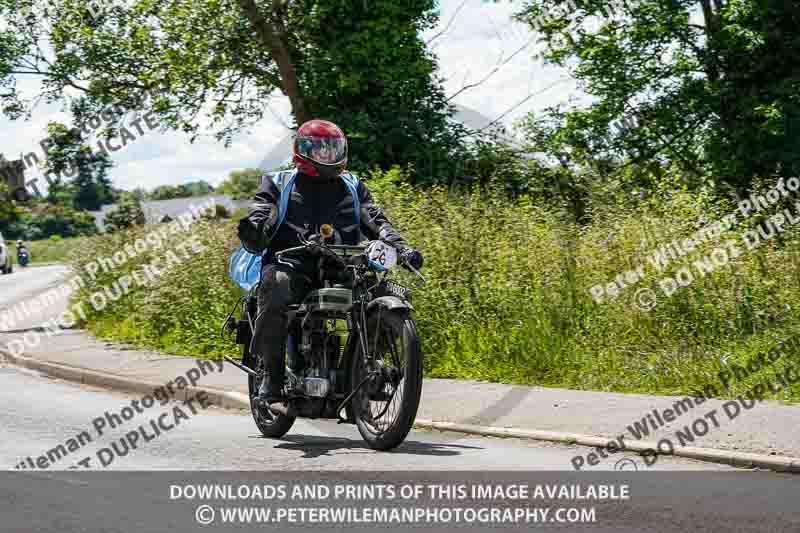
(508, 294)
(181, 311)
(127, 214)
(55, 249)
(42, 220)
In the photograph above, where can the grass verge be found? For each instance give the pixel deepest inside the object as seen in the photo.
(508, 297)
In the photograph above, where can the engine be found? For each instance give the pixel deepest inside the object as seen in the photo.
(320, 349)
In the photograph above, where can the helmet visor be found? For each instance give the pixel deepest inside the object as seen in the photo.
(323, 150)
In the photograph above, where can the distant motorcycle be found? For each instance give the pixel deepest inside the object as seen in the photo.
(23, 257)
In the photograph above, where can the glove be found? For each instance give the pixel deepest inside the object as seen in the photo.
(411, 257)
(251, 238)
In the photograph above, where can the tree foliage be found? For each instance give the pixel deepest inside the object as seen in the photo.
(82, 180)
(216, 64)
(183, 190)
(9, 212)
(241, 183)
(41, 220)
(710, 88)
(126, 214)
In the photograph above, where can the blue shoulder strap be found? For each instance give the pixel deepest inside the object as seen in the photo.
(352, 185)
(285, 182)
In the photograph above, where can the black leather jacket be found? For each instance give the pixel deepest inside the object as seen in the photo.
(313, 202)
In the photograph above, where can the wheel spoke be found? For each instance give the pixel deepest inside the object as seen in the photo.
(393, 348)
(381, 414)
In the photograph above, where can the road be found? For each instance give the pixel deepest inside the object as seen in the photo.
(58, 426)
(216, 438)
(39, 413)
(22, 285)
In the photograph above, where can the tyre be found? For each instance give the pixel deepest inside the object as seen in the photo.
(271, 425)
(385, 407)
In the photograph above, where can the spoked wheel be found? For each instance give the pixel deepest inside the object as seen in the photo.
(386, 405)
(271, 425)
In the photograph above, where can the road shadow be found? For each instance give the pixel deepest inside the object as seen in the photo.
(314, 446)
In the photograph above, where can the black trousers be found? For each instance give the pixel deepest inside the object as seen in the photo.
(280, 287)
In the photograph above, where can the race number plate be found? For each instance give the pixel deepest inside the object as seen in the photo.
(381, 255)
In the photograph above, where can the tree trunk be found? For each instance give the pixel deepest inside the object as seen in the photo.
(711, 23)
(272, 34)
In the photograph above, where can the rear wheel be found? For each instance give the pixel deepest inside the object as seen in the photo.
(271, 425)
(386, 405)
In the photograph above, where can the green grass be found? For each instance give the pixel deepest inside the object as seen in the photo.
(51, 250)
(508, 294)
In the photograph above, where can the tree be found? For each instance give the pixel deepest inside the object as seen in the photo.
(197, 188)
(718, 99)
(184, 190)
(164, 192)
(9, 211)
(68, 154)
(362, 64)
(42, 220)
(372, 73)
(137, 195)
(241, 183)
(128, 213)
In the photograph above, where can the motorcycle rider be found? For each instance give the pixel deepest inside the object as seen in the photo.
(319, 196)
(20, 249)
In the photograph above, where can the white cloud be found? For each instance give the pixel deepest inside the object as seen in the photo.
(479, 40)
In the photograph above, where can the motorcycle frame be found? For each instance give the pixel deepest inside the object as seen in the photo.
(363, 304)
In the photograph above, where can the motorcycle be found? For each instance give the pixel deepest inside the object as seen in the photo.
(352, 353)
(23, 257)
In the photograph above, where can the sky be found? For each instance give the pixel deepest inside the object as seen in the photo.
(475, 40)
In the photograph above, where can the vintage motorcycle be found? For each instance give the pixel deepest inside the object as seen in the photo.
(352, 352)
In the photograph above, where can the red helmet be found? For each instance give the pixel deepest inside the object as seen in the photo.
(320, 149)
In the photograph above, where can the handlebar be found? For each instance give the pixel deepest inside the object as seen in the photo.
(314, 244)
(320, 247)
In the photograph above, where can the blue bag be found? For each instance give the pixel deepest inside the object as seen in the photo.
(245, 268)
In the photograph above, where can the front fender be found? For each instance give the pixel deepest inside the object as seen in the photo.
(390, 303)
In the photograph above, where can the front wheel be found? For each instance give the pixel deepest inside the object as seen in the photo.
(386, 405)
(271, 425)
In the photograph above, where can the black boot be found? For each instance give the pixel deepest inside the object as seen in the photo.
(271, 391)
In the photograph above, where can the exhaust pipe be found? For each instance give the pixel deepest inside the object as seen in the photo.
(283, 409)
(240, 366)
